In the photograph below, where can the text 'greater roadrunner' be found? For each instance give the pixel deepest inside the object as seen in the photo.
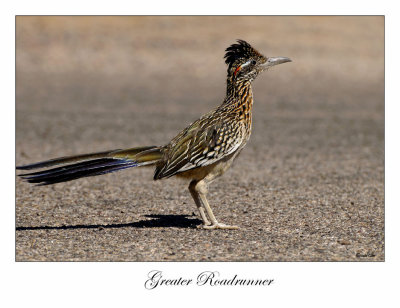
(201, 152)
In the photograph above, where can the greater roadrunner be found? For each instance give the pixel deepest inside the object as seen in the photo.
(201, 152)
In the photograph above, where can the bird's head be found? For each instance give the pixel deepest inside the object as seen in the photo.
(245, 62)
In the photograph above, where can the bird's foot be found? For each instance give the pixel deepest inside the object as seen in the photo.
(219, 226)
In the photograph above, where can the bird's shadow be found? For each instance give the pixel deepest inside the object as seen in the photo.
(158, 221)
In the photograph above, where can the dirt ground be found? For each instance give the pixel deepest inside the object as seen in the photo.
(309, 186)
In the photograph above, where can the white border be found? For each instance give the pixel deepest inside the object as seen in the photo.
(117, 284)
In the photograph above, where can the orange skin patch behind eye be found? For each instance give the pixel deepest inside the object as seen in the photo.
(237, 70)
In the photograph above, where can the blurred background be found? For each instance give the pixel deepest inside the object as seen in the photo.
(314, 167)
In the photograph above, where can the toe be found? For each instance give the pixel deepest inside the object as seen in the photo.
(220, 226)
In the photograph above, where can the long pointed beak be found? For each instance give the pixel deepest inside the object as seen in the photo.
(274, 61)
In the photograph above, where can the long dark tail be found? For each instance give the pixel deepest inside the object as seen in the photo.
(75, 167)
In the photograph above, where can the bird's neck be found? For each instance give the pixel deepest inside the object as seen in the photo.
(239, 92)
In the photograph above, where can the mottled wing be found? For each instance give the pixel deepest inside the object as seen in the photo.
(199, 146)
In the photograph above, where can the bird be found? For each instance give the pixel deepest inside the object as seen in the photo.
(202, 152)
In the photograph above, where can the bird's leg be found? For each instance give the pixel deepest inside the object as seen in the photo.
(196, 199)
(201, 189)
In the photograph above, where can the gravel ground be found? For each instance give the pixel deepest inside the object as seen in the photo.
(309, 186)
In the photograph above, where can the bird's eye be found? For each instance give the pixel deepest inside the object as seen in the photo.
(253, 62)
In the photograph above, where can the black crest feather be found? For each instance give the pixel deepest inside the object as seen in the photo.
(241, 50)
